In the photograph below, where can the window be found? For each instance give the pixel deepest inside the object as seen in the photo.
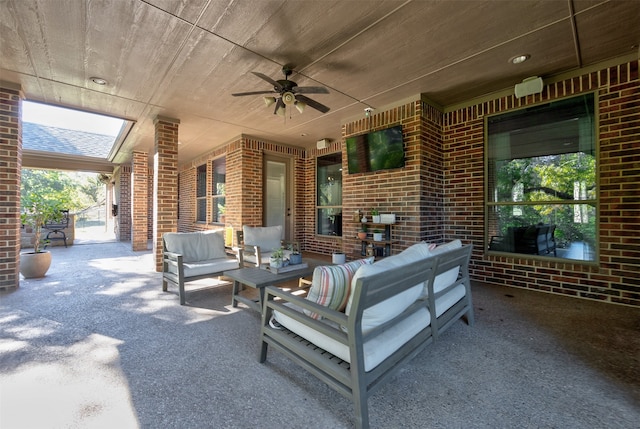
(541, 188)
(201, 193)
(329, 194)
(218, 208)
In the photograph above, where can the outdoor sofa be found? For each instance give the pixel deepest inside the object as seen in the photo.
(392, 309)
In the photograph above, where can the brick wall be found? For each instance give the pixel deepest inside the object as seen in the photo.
(413, 193)
(244, 193)
(10, 173)
(165, 182)
(616, 278)
(139, 207)
(123, 183)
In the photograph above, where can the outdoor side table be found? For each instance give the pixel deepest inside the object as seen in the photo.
(259, 278)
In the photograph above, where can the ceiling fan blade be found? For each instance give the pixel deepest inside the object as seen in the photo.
(312, 103)
(311, 90)
(240, 94)
(275, 84)
(279, 104)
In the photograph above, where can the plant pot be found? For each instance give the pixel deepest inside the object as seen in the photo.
(276, 263)
(35, 265)
(375, 218)
(295, 258)
(362, 235)
(377, 236)
(338, 258)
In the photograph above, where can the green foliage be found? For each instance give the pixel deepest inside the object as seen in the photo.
(277, 254)
(37, 210)
(78, 191)
(547, 181)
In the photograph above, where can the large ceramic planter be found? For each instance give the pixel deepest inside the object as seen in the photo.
(35, 265)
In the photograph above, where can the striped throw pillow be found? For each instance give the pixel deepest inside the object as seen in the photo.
(331, 283)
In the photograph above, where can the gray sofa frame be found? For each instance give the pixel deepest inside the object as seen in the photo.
(350, 379)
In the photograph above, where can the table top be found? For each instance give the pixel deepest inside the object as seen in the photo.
(259, 278)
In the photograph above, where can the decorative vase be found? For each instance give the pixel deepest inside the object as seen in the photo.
(35, 265)
(295, 258)
(338, 258)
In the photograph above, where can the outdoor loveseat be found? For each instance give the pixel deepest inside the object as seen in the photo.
(189, 256)
(395, 307)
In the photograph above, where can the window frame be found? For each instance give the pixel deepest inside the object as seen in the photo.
(328, 207)
(217, 216)
(593, 203)
(201, 193)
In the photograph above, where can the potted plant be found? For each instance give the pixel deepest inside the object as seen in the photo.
(36, 211)
(377, 235)
(276, 260)
(375, 215)
(362, 234)
(294, 257)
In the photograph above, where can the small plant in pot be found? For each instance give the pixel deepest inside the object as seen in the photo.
(375, 215)
(377, 235)
(294, 257)
(276, 260)
(36, 211)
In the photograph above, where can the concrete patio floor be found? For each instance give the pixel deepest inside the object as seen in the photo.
(97, 344)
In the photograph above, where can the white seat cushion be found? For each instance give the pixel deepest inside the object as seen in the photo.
(211, 266)
(376, 349)
(264, 256)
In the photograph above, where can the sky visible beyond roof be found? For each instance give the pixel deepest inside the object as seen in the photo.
(59, 117)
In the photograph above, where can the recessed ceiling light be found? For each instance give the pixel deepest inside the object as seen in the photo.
(303, 135)
(98, 80)
(519, 59)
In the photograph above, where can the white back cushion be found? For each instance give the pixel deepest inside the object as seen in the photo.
(445, 279)
(267, 238)
(391, 307)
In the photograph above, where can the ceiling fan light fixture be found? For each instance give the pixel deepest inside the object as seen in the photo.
(281, 111)
(288, 98)
(300, 106)
(269, 100)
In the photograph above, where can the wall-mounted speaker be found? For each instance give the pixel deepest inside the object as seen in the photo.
(531, 85)
(322, 144)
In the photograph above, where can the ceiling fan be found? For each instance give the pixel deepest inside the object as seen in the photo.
(288, 93)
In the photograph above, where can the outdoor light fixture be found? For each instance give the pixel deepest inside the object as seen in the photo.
(281, 110)
(98, 80)
(269, 100)
(300, 106)
(518, 59)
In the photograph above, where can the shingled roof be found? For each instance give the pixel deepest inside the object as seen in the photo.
(44, 138)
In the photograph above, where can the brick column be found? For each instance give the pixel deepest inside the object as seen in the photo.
(165, 183)
(10, 173)
(139, 205)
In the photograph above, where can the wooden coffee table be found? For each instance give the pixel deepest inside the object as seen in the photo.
(259, 278)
